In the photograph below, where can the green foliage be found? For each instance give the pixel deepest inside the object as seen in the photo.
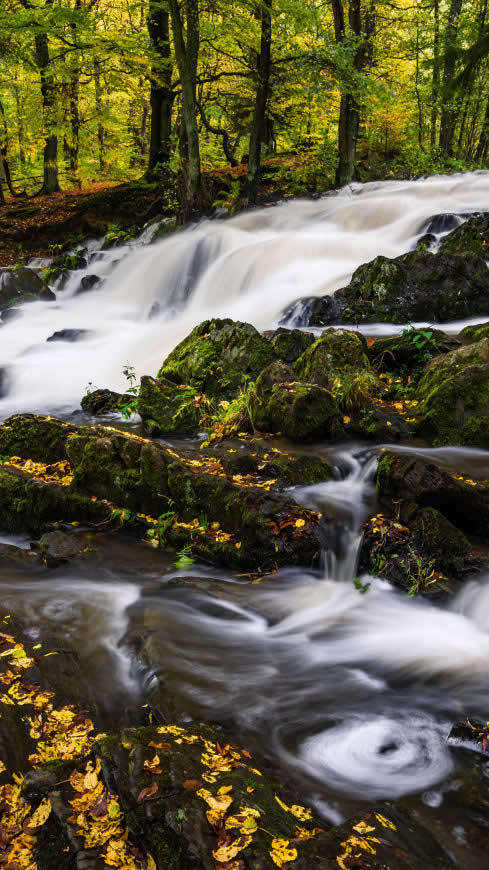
(423, 341)
(184, 558)
(128, 409)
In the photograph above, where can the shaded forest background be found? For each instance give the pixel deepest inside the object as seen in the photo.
(166, 90)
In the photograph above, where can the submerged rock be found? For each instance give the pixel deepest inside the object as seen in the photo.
(218, 357)
(69, 334)
(88, 282)
(453, 397)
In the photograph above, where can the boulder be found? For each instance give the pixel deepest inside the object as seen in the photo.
(218, 357)
(411, 350)
(88, 282)
(58, 547)
(22, 285)
(169, 409)
(101, 402)
(473, 236)
(406, 480)
(477, 332)
(418, 286)
(290, 344)
(453, 396)
(337, 351)
(301, 411)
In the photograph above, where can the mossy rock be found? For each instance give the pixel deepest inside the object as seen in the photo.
(301, 412)
(411, 350)
(471, 334)
(33, 436)
(290, 344)
(453, 397)
(167, 408)
(337, 351)
(22, 285)
(440, 540)
(407, 480)
(472, 235)
(100, 402)
(418, 286)
(218, 357)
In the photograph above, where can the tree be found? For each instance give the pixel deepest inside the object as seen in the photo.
(262, 86)
(186, 54)
(162, 95)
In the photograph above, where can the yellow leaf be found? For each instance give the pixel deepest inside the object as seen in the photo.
(2, 767)
(281, 853)
(363, 828)
(226, 853)
(385, 822)
(299, 523)
(346, 420)
(41, 815)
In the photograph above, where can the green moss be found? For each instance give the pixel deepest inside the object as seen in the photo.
(34, 437)
(439, 539)
(337, 351)
(472, 235)
(218, 357)
(167, 408)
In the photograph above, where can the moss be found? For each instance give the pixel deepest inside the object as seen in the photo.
(290, 344)
(454, 397)
(472, 235)
(384, 466)
(218, 357)
(439, 539)
(338, 350)
(34, 437)
(474, 333)
(167, 408)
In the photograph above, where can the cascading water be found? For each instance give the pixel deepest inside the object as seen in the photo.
(249, 268)
(355, 690)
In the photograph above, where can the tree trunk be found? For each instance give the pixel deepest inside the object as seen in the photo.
(261, 97)
(20, 122)
(101, 138)
(347, 140)
(449, 108)
(48, 91)
(186, 62)
(435, 84)
(483, 144)
(161, 96)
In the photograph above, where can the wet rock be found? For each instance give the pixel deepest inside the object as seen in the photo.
(302, 412)
(418, 286)
(453, 397)
(336, 351)
(317, 311)
(218, 357)
(69, 334)
(10, 314)
(4, 382)
(286, 468)
(470, 334)
(473, 236)
(425, 558)
(17, 556)
(22, 285)
(58, 547)
(88, 282)
(167, 408)
(35, 437)
(411, 350)
(378, 424)
(100, 402)
(406, 478)
(426, 242)
(63, 264)
(289, 344)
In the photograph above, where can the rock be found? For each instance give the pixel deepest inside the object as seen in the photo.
(10, 314)
(4, 382)
(289, 344)
(22, 285)
(407, 479)
(34, 437)
(411, 350)
(316, 311)
(58, 547)
(167, 408)
(418, 286)
(69, 334)
(17, 556)
(63, 264)
(287, 469)
(453, 396)
(425, 242)
(336, 351)
(473, 236)
(442, 223)
(88, 282)
(470, 334)
(426, 557)
(100, 402)
(218, 357)
(303, 412)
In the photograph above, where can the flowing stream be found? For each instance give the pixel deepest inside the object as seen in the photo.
(353, 692)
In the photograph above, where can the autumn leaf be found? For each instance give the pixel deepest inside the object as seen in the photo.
(228, 852)
(147, 792)
(281, 853)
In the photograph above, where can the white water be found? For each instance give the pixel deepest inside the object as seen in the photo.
(250, 268)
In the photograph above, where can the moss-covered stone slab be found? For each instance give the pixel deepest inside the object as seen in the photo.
(453, 397)
(218, 357)
(337, 351)
(290, 344)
